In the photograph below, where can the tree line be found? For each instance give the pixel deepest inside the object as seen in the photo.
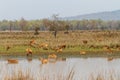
(57, 25)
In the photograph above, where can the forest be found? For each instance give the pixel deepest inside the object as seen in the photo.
(58, 25)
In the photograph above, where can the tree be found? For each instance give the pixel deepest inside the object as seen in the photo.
(10, 24)
(67, 27)
(36, 29)
(52, 25)
(23, 24)
(47, 23)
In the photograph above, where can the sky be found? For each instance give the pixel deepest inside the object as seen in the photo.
(39, 9)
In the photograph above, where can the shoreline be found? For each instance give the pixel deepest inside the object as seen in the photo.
(88, 54)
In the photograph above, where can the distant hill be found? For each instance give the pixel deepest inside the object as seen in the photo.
(109, 15)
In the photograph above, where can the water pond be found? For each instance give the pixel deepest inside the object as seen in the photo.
(61, 69)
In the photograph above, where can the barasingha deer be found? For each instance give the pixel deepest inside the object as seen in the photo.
(43, 60)
(52, 58)
(12, 61)
(28, 52)
(82, 52)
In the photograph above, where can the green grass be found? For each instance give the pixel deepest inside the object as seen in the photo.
(19, 41)
(68, 52)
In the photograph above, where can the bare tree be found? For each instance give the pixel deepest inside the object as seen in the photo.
(23, 23)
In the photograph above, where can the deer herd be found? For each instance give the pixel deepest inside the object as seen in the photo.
(51, 57)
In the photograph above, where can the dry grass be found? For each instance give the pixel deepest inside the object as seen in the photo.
(26, 75)
(17, 42)
(19, 76)
(69, 76)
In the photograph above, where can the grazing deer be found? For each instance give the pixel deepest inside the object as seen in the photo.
(45, 48)
(61, 59)
(12, 61)
(8, 47)
(43, 45)
(92, 46)
(106, 47)
(62, 46)
(66, 32)
(43, 61)
(110, 59)
(85, 41)
(59, 50)
(52, 56)
(109, 50)
(82, 52)
(32, 42)
(29, 51)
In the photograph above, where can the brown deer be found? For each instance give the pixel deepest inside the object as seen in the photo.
(32, 42)
(110, 59)
(43, 61)
(8, 47)
(82, 52)
(29, 51)
(85, 41)
(62, 46)
(12, 61)
(52, 56)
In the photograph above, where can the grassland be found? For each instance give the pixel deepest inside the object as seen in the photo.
(90, 42)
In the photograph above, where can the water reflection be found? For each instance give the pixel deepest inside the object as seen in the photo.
(29, 59)
(80, 68)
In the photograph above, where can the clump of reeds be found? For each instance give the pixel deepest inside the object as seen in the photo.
(110, 75)
(19, 76)
(22, 75)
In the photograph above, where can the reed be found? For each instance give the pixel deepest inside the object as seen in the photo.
(20, 75)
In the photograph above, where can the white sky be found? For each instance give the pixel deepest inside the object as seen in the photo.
(38, 9)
